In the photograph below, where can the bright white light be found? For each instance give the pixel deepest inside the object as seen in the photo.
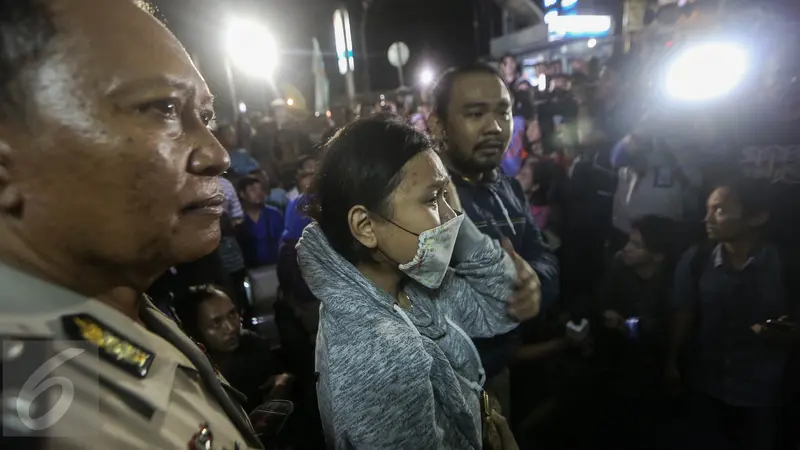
(242, 107)
(549, 3)
(251, 48)
(568, 3)
(542, 82)
(706, 71)
(591, 43)
(344, 43)
(549, 16)
(290, 101)
(426, 77)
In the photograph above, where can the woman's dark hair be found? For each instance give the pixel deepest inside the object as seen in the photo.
(327, 135)
(361, 165)
(443, 89)
(658, 233)
(187, 307)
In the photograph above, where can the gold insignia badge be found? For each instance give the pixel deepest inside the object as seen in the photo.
(111, 346)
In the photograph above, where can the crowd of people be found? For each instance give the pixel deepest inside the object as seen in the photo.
(499, 268)
(553, 178)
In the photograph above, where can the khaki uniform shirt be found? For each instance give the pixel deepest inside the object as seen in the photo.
(133, 386)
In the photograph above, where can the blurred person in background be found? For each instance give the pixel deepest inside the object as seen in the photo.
(242, 163)
(731, 292)
(472, 119)
(397, 368)
(260, 233)
(651, 180)
(303, 176)
(633, 305)
(244, 358)
(419, 122)
(276, 195)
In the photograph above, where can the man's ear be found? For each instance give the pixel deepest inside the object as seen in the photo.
(360, 223)
(10, 196)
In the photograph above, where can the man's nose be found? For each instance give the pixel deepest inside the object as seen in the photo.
(208, 158)
(230, 325)
(494, 127)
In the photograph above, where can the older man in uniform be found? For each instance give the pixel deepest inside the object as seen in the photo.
(108, 177)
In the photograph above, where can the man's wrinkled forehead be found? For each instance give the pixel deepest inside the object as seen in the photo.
(111, 40)
(479, 89)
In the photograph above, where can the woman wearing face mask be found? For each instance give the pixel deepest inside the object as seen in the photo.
(397, 368)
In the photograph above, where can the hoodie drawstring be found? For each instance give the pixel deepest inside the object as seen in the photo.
(505, 211)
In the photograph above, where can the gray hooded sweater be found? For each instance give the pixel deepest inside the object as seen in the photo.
(406, 380)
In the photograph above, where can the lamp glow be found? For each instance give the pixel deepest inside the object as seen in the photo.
(251, 48)
(290, 102)
(426, 77)
(706, 71)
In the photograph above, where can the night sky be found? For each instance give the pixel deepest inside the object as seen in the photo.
(439, 33)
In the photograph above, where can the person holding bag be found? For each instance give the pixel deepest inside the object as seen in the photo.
(405, 282)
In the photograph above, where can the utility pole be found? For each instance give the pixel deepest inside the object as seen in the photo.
(476, 27)
(364, 52)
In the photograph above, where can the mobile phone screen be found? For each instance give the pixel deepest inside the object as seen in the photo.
(269, 418)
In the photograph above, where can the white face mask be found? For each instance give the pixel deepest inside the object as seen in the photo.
(434, 250)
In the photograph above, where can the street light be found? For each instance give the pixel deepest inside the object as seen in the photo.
(251, 48)
(426, 76)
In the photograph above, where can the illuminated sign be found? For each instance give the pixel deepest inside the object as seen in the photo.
(572, 27)
(344, 43)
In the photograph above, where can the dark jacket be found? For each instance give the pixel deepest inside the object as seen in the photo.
(249, 367)
(499, 208)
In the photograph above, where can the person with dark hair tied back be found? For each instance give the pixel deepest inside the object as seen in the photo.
(405, 280)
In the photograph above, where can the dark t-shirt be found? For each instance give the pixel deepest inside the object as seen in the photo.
(249, 367)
